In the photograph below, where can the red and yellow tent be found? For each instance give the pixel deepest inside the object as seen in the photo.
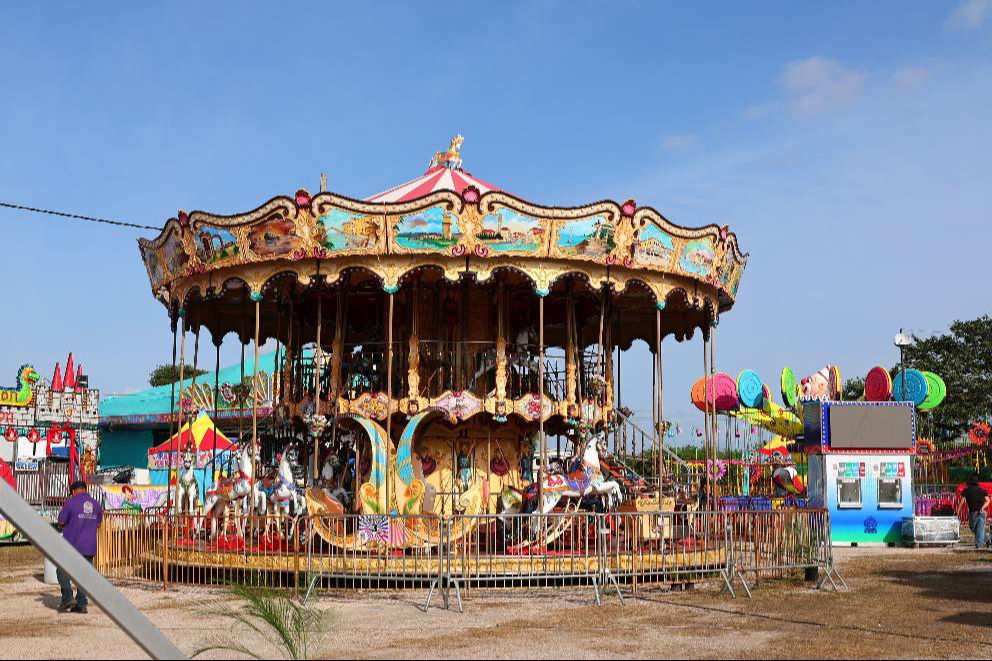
(201, 433)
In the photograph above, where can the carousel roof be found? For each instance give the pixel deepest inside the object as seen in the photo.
(437, 178)
(438, 228)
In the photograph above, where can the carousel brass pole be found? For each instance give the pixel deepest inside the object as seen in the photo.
(213, 460)
(318, 360)
(243, 338)
(196, 353)
(286, 386)
(389, 387)
(196, 364)
(540, 390)
(179, 432)
(336, 358)
(660, 404)
(713, 419)
(706, 422)
(254, 391)
(174, 320)
(622, 428)
(276, 373)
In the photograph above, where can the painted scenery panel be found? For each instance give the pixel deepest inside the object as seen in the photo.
(430, 229)
(339, 230)
(725, 273)
(276, 236)
(653, 247)
(156, 271)
(174, 255)
(587, 237)
(507, 230)
(216, 245)
(698, 257)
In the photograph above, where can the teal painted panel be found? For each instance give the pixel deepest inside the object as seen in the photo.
(125, 447)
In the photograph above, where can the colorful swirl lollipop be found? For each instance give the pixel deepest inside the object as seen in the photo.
(750, 390)
(790, 392)
(936, 394)
(916, 387)
(878, 385)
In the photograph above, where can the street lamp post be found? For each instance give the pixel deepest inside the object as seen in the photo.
(903, 340)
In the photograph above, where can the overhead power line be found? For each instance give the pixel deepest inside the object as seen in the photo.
(77, 216)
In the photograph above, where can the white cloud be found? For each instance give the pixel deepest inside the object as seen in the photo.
(969, 15)
(911, 77)
(760, 110)
(678, 142)
(820, 84)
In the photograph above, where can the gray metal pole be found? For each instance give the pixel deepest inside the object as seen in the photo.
(96, 587)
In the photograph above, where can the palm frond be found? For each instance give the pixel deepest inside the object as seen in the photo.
(293, 629)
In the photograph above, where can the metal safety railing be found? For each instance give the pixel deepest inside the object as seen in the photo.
(45, 485)
(616, 551)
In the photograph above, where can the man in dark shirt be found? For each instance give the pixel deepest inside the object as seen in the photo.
(978, 503)
(80, 517)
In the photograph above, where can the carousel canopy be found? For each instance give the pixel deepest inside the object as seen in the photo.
(453, 241)
(202, 433)
(438, 178)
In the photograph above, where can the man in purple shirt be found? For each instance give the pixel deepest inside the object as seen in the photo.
(80, 517)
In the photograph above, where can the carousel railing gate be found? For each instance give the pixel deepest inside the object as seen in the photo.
(617, 550)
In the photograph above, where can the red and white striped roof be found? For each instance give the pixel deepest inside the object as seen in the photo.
(435, 179)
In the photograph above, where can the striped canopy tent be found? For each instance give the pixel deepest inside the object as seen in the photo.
(435, 179)
(202, 433)
(215, 454)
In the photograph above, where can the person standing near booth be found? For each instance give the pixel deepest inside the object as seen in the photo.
(80, 518)
(978, 504)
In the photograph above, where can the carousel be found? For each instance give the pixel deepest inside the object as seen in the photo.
(444, 350)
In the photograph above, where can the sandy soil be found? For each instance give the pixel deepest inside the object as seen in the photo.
(902, 603)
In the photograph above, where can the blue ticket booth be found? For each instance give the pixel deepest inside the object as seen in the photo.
(860, 467)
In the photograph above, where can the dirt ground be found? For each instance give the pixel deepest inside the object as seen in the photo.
(902, 603)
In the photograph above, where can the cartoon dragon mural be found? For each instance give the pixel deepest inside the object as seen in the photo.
(23, 394)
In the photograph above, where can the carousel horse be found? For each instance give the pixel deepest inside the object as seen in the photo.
(333, 475)
(451, 157)
(286, 499)
(187, 489)
(587, 481)
(241, 492)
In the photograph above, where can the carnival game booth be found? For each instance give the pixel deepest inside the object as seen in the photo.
(198, 451)
(860, 467)
(432, 343)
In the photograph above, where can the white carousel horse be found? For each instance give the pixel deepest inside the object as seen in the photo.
(187, 489)
(286, 499)
(451, 157)
(589, 482)
(240, 491)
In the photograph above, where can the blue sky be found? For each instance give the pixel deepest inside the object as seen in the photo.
(846, 143)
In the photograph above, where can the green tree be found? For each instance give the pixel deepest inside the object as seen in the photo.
(854, 389)
(963, 358)
(164, 375)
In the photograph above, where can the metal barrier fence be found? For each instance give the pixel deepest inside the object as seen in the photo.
(45, 486)
(463, 552)
(779, 543)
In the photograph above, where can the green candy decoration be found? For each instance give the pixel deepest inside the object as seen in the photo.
(790, 392)
(936, 393)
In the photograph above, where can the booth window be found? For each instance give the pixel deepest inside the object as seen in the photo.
(849, 493)
(890, 493)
